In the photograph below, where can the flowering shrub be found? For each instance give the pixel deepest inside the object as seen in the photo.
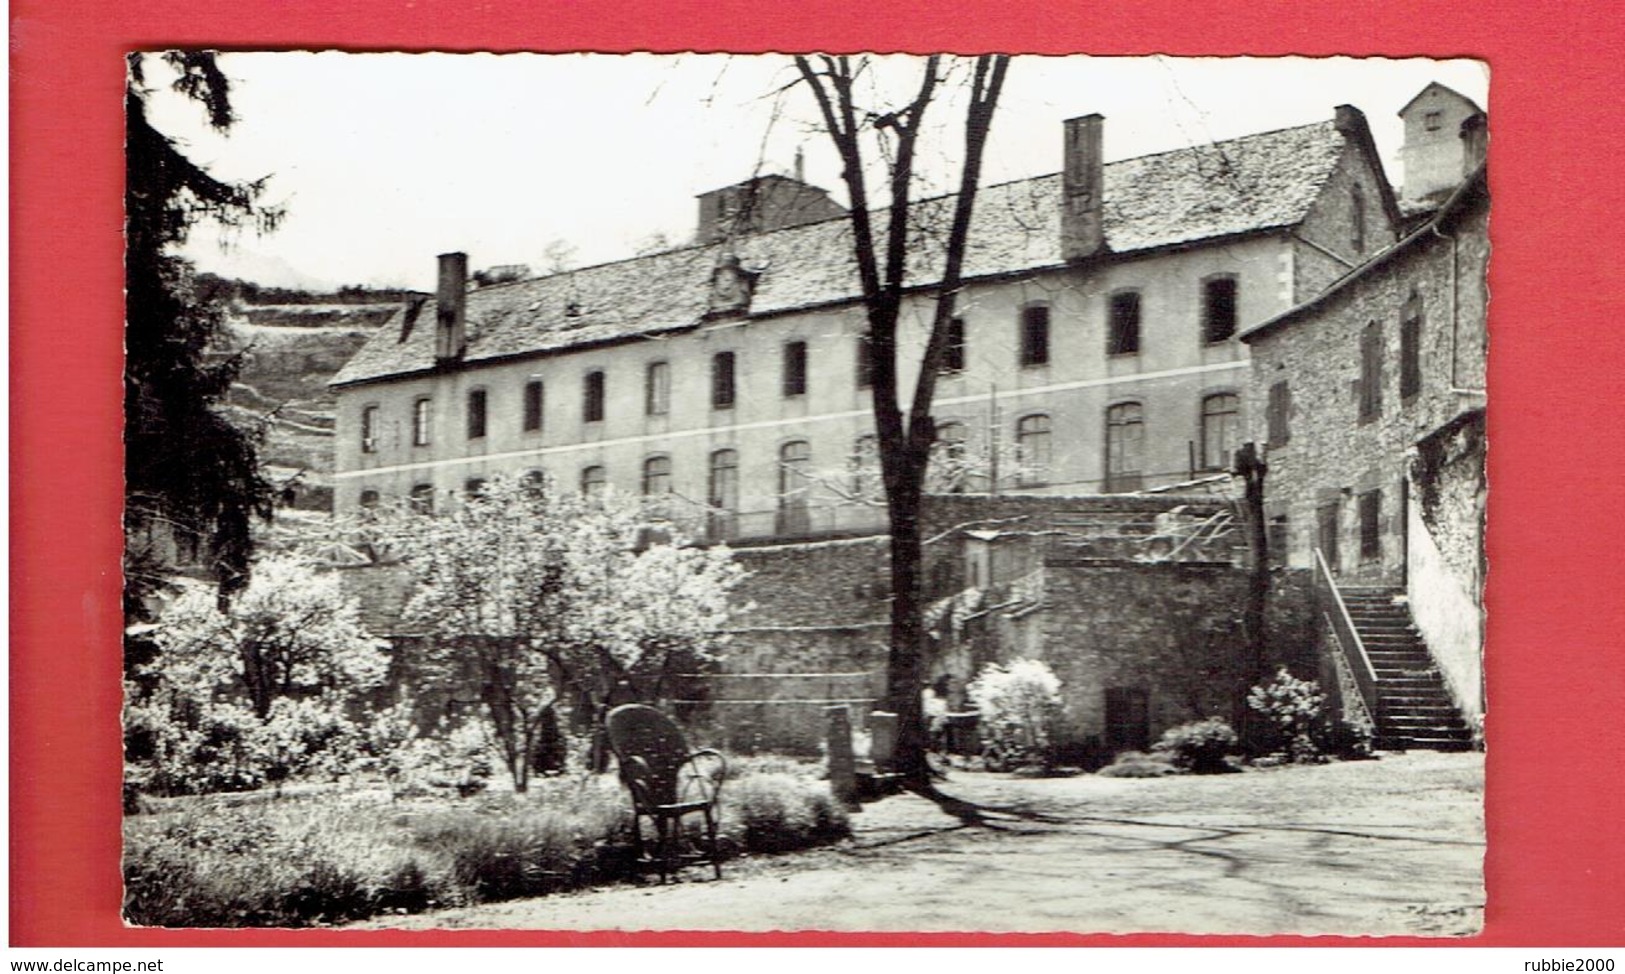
(1199, 746)
(1137, 764)
(1293, 709)
(1020, 705)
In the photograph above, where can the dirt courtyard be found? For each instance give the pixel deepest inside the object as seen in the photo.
(1393, 846)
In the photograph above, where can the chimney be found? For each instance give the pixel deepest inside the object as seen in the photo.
(450, 300)
(1082, 183)
(1475, 143)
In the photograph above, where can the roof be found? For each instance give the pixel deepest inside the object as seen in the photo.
(1435, 86)
(1472, 189)
(1169, 199)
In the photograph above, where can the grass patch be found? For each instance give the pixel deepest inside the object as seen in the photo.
(338, 857)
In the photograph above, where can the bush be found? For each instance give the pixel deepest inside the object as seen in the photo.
(1020, 705)
(1199, 746)
(339, 857)
(1292, 708)
(1136, 764)
(777, 812)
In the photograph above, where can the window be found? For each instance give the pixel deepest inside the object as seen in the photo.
(1371, 525)
(1221, 430)
(369, 429)
(866, 362)
(1410, 348)
(533, 483)
(1123, 324)
(592, 398)
(1035, 335)
(657, 389)
(421, 500)
(722, 493)
(1357, 218)
(369, 498)
(1433, 121)
(1278, 412)
(1327, 516)
(1370, 372)
(795, 369)
(953, 358)
(474, 486)
(1032, 450)
(1125, 446)
(1218, 309)
(865, 465)
(656, 476)
(476, 414)
(593, 480)
(422, 413)
(795, 460)
(533, 405)
(948, 456)
(1128, 719)
(722, 380)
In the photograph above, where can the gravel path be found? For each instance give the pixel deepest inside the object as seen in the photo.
(1379, 847)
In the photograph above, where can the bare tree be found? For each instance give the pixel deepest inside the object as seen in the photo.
(882, 256)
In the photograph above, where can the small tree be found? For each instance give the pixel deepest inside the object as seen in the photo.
(530, 595)
(1019, 706)
(257, 691)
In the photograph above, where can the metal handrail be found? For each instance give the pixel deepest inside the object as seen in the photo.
(1348, 639)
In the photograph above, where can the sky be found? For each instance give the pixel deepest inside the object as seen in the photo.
(383, 161)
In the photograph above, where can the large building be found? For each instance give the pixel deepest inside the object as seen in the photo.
(1095, 350)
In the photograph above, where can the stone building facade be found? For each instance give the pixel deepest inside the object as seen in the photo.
(1096, 349)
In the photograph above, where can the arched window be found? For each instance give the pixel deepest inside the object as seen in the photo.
(950, 470)
(722, 494)
(422, 414)
(1033, 450)
(1125, 446)
(369, 429)
(592, 398)
(865, 464)
(422, 499)
(533, 483)
(657, 389)
(1410, 347)
(656, 476)
(1371, 372)
(1221, 430)
(593, 480)
(795, 464)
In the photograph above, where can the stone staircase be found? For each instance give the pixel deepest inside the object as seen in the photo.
(1414, 709)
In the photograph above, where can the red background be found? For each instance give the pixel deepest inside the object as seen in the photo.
(1556, 778)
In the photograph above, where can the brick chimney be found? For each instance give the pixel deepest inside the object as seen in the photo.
(451, 296)
(1082, 184)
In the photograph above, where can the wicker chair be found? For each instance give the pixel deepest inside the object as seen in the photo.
(668, 782)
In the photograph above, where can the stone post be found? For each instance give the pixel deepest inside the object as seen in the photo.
(843, 780)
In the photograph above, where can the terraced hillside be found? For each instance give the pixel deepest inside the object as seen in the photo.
(290, 352)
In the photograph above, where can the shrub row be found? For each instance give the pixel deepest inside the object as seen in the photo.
(347, 856)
